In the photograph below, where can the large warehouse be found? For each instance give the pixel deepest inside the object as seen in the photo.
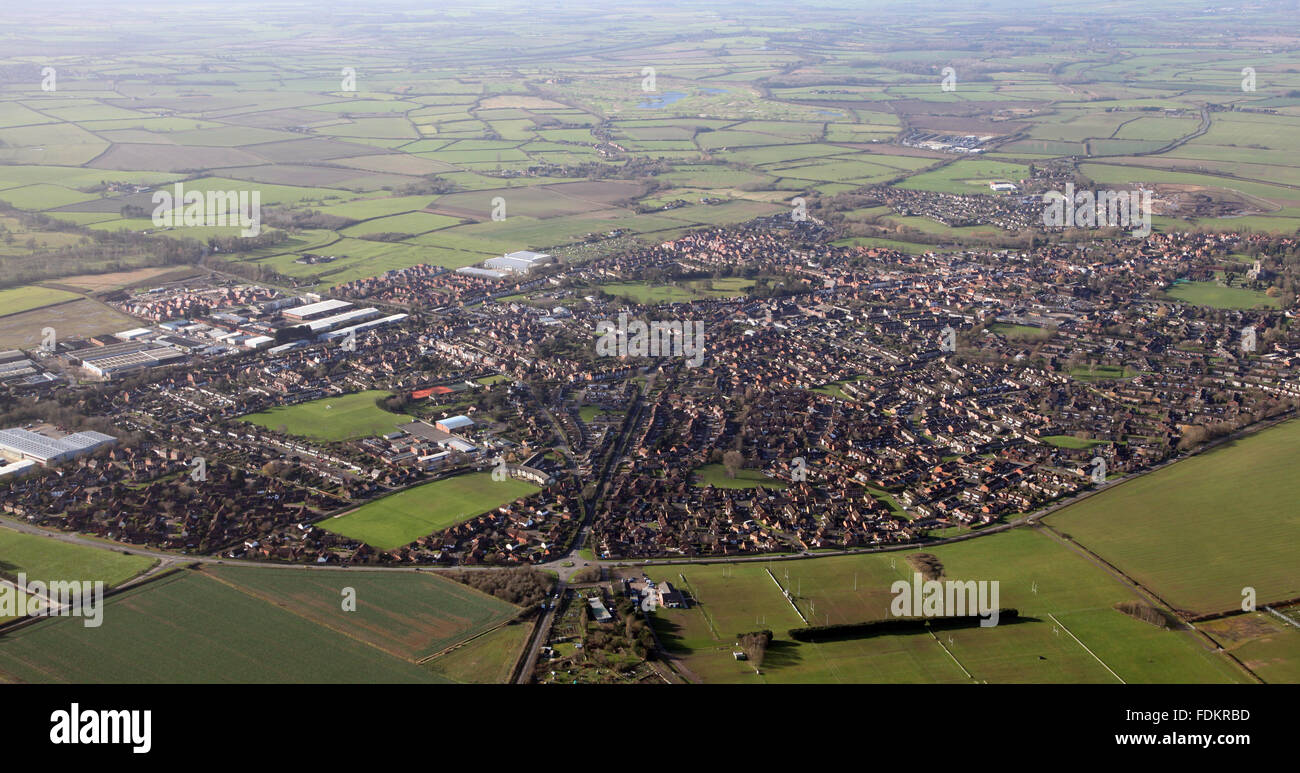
(520, 262)
(24, 445)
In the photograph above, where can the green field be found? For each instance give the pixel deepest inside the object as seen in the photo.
(649, 294)
(1220, 296)
(19, 299)
(401, 518)
(189, 628)
(1037, 575)
(1020, 332)
(1266, 644)
(1069, 441)
(407, 615)
(45, 559)
(1199, 531)
(343, 417)
(488, 659)
(716, 475)
(1100, 372)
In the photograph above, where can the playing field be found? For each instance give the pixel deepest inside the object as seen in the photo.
(1199, 531)
(1219, 296)
(333, 418)
(716, 475)
(190, 628)
(401, 518)
(1036, 574)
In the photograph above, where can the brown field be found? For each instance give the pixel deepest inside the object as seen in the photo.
(97, 283)
(397, 164)
(171, 158)
(295, 174)
(542, 201)
(78, 318)
(517, 100)
(292, 151)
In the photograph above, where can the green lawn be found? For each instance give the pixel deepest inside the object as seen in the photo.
(1069, 441)
(1219, 296)
(401, 518)
(1020, 332)
(648, 294)
(1199, 531)
(333, 418)
(1099, 372)
(716, 474)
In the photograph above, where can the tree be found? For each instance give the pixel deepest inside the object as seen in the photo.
(754, 645)
(732, 460)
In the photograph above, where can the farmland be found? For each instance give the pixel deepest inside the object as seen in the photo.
(1224, 521)
(401, 518)
(410, 616)
(488, 659)
(42, 558)
(332, 418)
(190, 628)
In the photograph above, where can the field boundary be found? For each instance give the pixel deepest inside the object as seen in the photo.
(1085, 647)
(786, 593)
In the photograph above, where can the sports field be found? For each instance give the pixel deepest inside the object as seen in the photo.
(1201, 530)
(332, 418)
(1220, 296)
(401, 518)
(1036, 574)
(189, 628)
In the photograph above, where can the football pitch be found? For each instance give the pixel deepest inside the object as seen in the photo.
(401, 518)
(344, 417)
(1068, 629)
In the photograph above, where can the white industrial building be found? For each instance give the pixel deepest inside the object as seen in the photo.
(315, 309)
(521, 262)
(453, 423)
(19, 445)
